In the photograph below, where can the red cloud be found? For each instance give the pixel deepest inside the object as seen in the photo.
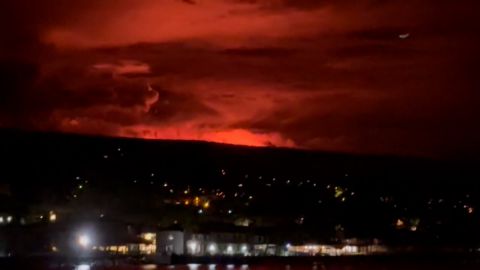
(312, 74)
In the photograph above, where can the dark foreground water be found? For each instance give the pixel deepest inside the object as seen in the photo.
(432, 263)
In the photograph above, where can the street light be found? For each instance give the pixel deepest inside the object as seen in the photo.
(193, 247)
(84, 240)
(212, 248)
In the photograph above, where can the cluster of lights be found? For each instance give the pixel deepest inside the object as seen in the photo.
(212, 248)
(7, 219)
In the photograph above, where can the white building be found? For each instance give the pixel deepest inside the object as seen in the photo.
(217, 243)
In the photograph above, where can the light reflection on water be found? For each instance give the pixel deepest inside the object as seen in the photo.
(232, 267)
(83, 267)
(287, 266)
(195, 267)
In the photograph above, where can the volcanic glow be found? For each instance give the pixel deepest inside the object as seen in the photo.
(361, 76)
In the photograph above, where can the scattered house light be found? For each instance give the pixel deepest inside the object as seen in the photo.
(170, 237)
(338, 192)
(52, 216)
(149, 236)
(206, 205)
(400, 223)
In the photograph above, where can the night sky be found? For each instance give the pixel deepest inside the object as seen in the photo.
(366, 76)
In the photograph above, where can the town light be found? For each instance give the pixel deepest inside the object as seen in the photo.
(149, 236)
(212, 248)
(84, 240)
(206, 205)
(230, 249)
(52, 216)
(192, 245)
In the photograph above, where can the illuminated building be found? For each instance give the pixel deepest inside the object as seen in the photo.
(233, 241)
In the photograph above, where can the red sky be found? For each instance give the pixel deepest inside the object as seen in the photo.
(326, 75)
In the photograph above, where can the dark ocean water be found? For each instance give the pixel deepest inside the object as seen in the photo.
(314, 266)
(432, 263)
